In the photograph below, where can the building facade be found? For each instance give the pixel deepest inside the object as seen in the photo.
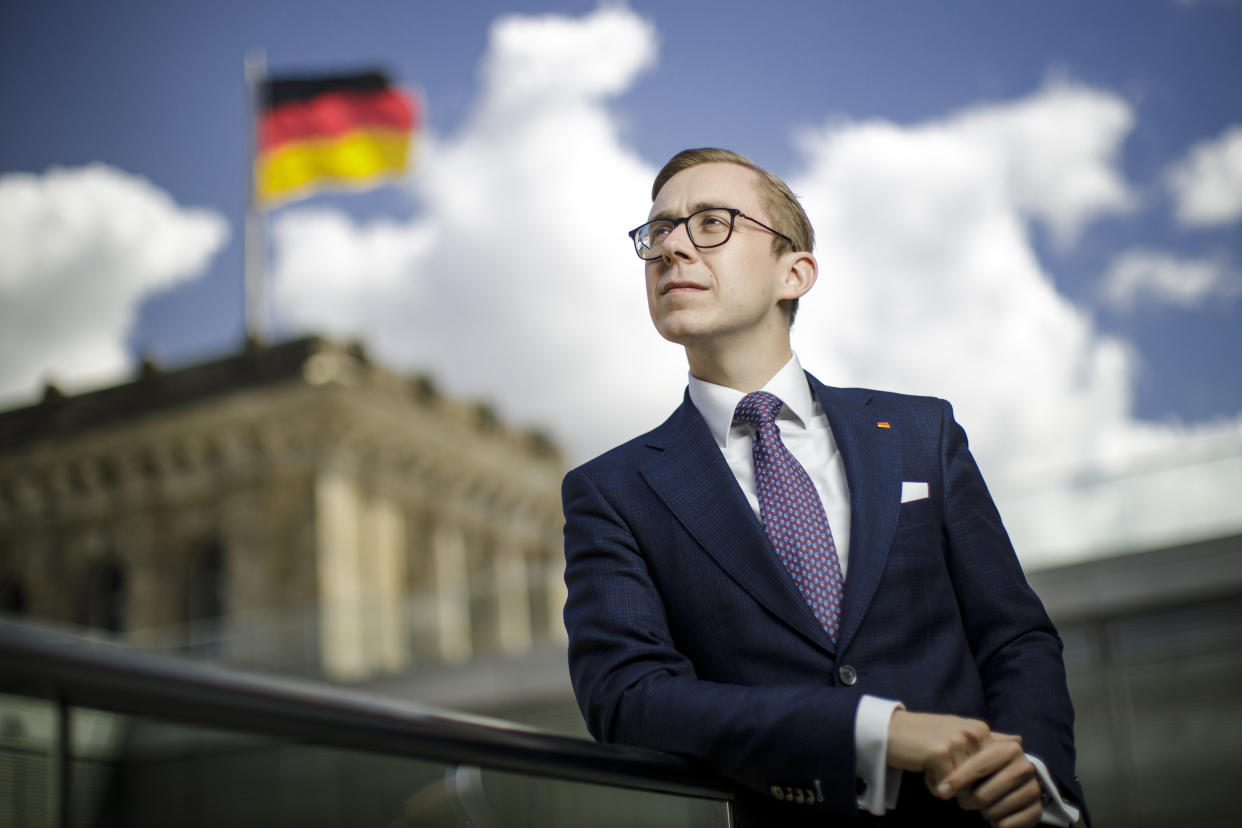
(295, 508)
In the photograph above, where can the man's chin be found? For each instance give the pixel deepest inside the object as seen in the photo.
(678, 334)
(682, 328)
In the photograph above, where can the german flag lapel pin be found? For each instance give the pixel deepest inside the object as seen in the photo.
(883, 424)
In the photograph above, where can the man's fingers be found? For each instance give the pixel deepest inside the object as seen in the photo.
(992, 758)
(951, 756)
(1007, 794)
(1017, 799)
(1017, 775)
(933, 743)
(993, 806)
(1021, 809)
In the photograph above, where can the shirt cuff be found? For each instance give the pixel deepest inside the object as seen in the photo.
(878, 784)
(1056, 810)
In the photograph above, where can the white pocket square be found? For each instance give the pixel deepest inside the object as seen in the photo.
(913, 491)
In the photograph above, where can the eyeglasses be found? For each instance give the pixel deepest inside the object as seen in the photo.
(706, 228)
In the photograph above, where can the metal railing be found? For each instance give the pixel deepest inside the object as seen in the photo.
(124, 723)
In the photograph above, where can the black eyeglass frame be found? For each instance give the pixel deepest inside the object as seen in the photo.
(734, 214)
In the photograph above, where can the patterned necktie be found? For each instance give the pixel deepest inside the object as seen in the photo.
(793, 515)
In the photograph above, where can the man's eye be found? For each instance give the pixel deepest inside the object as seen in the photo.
(712, 223)
(658, 231)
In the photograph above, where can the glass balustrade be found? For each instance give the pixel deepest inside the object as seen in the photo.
(94, 736)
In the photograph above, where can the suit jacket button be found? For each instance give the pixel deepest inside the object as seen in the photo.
(847, 674)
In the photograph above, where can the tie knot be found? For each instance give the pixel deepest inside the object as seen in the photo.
(758, 407)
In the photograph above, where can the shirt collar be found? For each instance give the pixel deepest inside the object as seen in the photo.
(717, 402)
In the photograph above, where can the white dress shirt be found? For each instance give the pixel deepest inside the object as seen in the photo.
(804, 430)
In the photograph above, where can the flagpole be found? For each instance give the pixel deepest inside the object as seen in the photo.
(254, 299)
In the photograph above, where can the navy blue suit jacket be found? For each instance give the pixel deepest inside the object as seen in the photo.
(687, 635)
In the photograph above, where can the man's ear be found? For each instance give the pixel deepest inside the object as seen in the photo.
(801, 271)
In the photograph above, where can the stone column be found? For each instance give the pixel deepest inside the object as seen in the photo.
(383, 549)
(420, 598)
(452, 593)
(343, 645)
(253, 639)
(151, 595)
(512, 599)
(484, 609)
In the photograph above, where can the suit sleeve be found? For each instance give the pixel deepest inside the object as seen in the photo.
(634, 687)
(1015, 646)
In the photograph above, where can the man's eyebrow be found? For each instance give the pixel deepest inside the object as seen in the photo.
(702, 205)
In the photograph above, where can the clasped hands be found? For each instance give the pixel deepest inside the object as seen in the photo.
(964, 759)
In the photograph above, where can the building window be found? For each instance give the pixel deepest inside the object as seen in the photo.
(103, 601)
(12, 595)
(207, 598)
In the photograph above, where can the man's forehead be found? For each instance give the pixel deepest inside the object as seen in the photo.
(716, 184)
(672, 211)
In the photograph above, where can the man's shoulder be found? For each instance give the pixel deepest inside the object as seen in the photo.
(887, 400)
(918, 418)
(628, 456)
(624, 456)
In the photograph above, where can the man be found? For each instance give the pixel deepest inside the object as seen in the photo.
(807, 588)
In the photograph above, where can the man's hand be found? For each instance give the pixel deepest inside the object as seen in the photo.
(933, 743)
(963, 759)
(998, 781)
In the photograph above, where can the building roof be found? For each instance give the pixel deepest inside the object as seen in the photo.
(256, 365)
(1137, 581)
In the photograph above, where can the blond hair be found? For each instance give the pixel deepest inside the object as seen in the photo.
(785, 211)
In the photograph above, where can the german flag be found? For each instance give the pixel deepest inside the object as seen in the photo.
(347, 131)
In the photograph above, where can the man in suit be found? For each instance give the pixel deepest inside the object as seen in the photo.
(807, 588)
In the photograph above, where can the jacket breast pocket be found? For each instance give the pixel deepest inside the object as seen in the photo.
(918, 513)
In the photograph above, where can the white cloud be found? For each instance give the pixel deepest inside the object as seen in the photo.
(1207, 183)
(1183, 491)
(79, 249)
(335, 276)
(1153, 277)
(532, 58)
(930, 283)
(516, 282)
(1056, 153)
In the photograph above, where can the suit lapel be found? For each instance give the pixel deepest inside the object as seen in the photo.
(689, 473)
(872, 458)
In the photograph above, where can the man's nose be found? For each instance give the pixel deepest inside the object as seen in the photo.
(677, 244)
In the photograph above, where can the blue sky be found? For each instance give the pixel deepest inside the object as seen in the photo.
(1094, 110)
